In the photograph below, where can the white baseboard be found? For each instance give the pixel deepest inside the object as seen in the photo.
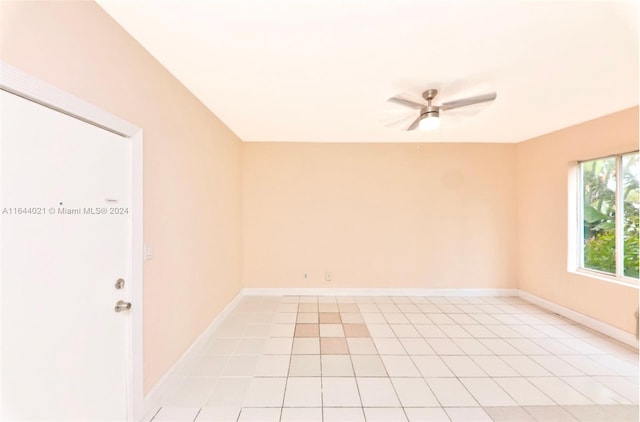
(375, 292)
(153, 399)
(587, 321)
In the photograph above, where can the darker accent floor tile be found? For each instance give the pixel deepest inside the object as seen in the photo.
(307, 330)
(356, 330)
(333, 346)
(330, 318)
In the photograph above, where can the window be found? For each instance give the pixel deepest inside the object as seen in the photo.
(609, 239)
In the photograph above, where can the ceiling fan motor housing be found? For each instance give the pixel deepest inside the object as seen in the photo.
(430, 111)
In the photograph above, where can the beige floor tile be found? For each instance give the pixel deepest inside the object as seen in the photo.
(405, 331)
(509, 414)
(345, 299)
(229, 392)
(468, 414)
(550, 413)
(306, 346)
(330, 318)
(308, 299)
(487, 392)
(368, 366)
(259, 414)
(351, 318)
(308, 307)
(523, 392)
(176, 414)
(361, 346)
(327, 299)
(307, 318)
(331, 330)
(287, 307)
(278, 346)
(343, 414)
(281, 330)
(416, 346)
(509, 362)
(348, 307)
(381, 330)
(340, 392)
(328, 307)
(301, 414)
(265, 392)
(426, 414)
(384, 414)
(307, 330)
(303, 392)
(333, 346)
(304, 366)
(336, 366)
(389, 346)
(377, 392)
(396, 318)
(373, 318)
(400, 366)
(356, 330)
(604, 413)
(414, 392)
(218, 414)
(272, 366)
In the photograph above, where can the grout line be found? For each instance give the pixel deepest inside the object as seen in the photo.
(155, 414)
(197, 414)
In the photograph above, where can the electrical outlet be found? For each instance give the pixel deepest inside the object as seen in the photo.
(148, 251)
(306, 276)
(328, 276)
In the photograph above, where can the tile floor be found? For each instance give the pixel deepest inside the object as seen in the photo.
(401, 359)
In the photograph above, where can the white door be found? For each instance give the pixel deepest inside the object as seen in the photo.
(65, 240)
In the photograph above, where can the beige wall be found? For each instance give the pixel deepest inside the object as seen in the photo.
(379, 215)
(375, 215)
(543, 172)
(192, 163)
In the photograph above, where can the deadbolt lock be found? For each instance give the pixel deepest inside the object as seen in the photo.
(119, 284)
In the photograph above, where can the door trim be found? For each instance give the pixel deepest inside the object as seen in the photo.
(20, 83)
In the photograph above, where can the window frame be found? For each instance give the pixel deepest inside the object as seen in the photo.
(579, 267)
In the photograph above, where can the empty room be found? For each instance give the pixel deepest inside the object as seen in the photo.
(322, 210)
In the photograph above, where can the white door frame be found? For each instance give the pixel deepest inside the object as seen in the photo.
(27, 86)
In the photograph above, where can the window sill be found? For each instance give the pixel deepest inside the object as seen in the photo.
(623, 281)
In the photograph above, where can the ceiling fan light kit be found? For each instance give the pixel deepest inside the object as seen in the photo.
(429, 117)
(429, 122)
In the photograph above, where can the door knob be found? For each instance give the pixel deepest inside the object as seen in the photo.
(121, 305)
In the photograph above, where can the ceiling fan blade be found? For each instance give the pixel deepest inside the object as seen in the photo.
(400, 122)
(468, 101)
(406, 103)
(415, 123)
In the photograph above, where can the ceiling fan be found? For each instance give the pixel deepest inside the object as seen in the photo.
(429, 117)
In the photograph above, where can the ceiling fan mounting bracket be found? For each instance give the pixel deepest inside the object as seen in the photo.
(430, 94)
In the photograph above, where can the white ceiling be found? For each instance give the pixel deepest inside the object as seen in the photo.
(321, 71)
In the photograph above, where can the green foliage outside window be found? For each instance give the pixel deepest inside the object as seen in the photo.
(599, 183)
